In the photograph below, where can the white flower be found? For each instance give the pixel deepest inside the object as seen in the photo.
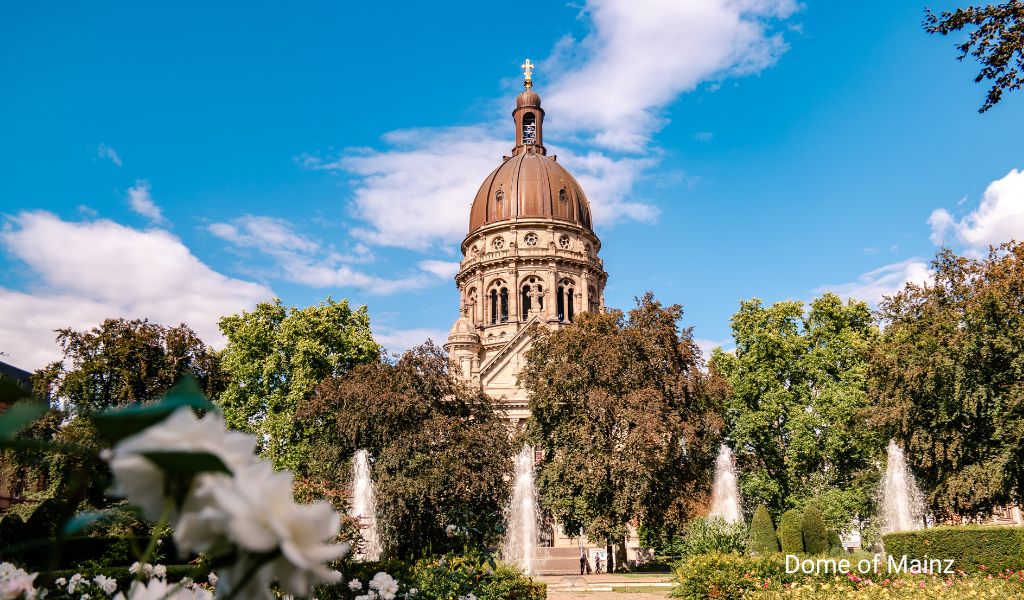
(450, 530)
(16, 583)
(107, 584)
(413, 592)
(158, 589)
(385, 585)
(262, 516)
(355, 585)
(60, 581)
(134, 568)
(467, 597)
(160, 571)
(142, 482)
(73, 583)
(212, 578)
(84, 597)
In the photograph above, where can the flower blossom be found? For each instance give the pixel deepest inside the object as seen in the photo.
(16, 583)
(159, 589)
(386, 586)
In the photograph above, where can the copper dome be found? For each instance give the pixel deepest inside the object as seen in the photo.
(530, 186)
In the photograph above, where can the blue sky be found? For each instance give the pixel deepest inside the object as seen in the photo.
(183, 161)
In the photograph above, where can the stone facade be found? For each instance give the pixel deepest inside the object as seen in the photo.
(530, 260)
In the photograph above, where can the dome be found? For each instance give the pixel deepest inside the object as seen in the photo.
(464, 331)
(530, 185)
(528, 98)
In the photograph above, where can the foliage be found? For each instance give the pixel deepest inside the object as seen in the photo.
(276, 356)
(763, 539)
(123, 362)
(726, 576)
(919, 587)
(628, 420)
(791, 538)
(439, 449)
(454, 576)
(973, 548)
(703, 535)
(998, 43)
(796, 408)
(947, 380)
(814, 534)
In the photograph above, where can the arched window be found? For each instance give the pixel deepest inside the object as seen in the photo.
(570, 302)
(560, 303)
(529, 128)
(499, 203)
(503, 296)
(565, 303)
(524, 301)
(494, 306)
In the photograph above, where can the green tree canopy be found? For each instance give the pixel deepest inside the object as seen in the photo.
(997, 43)
(628, 420)
(276, 356)
(440, 450)
(949, 380)
(796, 408)
(123, 362)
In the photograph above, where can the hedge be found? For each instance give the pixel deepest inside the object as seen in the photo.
(727, 576)
(762, 532)
(791, 536)
(813, 526)
(972, 548)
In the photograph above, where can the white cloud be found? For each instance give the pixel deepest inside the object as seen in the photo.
(91, 270)
(703, 136)
(106, 152)
(999, 218)
(883, 281)
(301, 259)
(642, 54)
(398, 341)
(706, 346)
(608, 89)
(441, 268)
(140, 201)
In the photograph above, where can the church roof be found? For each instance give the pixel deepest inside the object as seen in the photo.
(526, 186)
(529, 184)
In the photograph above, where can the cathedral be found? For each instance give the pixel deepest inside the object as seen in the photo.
(530, 259)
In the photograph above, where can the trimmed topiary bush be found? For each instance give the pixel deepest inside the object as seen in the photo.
(972, 548)
(813, 526)
(763, 539)
(791, 536)
(705, 535)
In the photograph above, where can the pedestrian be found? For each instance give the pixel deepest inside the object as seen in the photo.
(583, 563)
(597, 563)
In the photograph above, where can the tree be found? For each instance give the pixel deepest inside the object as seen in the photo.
(796, 409)
(123, 362)
(628, 420)
(998, 43)
(763, 539)
(813, 528)
(440, 452)
(276, 356)
(791, 537)
(947, 380)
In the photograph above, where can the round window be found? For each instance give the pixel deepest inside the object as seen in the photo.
(498, 243)
(531, 239)
(563, 241)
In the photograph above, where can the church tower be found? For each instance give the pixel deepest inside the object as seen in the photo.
(529, 260)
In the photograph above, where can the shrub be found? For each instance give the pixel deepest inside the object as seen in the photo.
(762, 532)
(835, 543)
(791, 536)
(972, 548)
(814, 534)
(727, 576)
(453, 576)
(712, 535)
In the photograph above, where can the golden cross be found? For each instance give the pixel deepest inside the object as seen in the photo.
(527, 73)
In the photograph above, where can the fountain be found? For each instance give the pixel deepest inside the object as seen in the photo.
(522, 515)
(902, 506)
(725, 495)
(364, 506)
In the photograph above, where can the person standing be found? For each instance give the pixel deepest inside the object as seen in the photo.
(583, 563)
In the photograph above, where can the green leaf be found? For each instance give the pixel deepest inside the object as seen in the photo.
(187, 464)
(18, 416)
(85, 520)
(11, 392)
(115, 425)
